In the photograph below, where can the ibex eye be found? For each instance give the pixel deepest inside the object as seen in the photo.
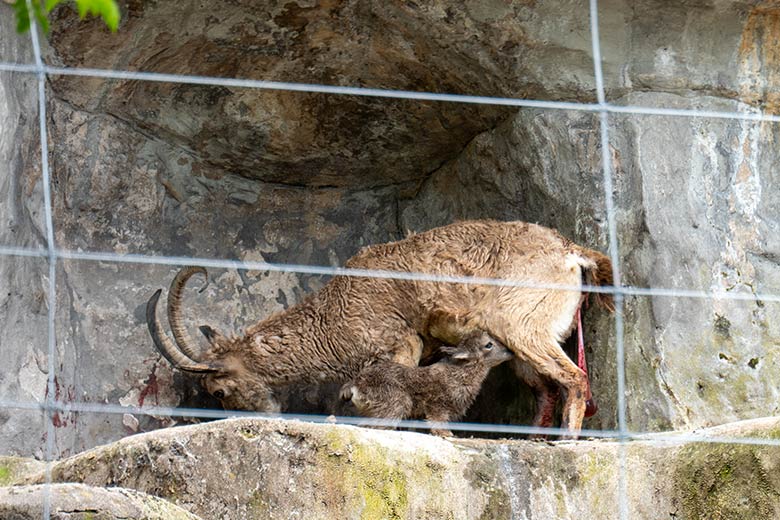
(489, 346)
(219, 394)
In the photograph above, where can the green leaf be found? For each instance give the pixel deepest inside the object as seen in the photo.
(40, 16)
(51, 4)
(22, 16)
(106, 9)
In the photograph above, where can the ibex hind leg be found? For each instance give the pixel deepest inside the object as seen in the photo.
(546, 358)
(558, 367)
(545, 392)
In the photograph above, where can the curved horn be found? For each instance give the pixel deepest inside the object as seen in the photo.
(164, 344)
(175, 318)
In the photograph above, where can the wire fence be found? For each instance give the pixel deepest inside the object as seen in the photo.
(52, 253)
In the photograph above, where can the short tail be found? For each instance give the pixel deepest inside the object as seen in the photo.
(600, 274)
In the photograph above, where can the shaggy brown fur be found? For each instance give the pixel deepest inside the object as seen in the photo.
(355, 321)
(440, 392)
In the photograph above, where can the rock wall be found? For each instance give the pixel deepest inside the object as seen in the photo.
(216, 172)
(23, 280)
(248, 469)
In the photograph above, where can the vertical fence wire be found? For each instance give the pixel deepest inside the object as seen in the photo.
(614, 252)
(51, 255)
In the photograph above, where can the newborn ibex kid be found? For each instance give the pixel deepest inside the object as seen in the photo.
(439, 392)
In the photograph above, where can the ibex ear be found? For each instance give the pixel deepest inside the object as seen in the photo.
(212, 335)
(455, 353)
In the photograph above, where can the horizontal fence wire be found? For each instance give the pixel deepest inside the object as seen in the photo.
(623, 435)
(508, 429)
(246, 265)
(755, 114)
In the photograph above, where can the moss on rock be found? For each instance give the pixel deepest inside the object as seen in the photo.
(719, 481)
(14, 469)
(5, 475)
(368, 478)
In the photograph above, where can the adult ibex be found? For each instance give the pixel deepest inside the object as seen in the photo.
(353, 321)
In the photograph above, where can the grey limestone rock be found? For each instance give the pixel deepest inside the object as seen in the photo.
(162, 168)
(80, 502)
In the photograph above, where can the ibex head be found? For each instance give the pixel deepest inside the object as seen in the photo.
(224, 367)
(478, 347)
